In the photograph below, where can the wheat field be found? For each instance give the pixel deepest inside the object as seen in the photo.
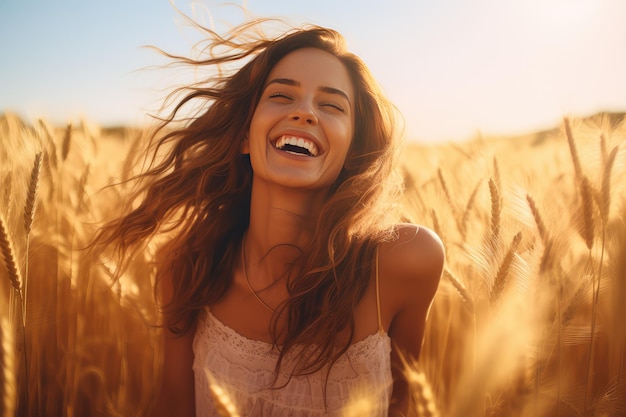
(528, 319)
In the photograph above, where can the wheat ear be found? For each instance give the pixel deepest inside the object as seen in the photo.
(572, 147)
(7, 192)
(460, 287)
(603, 148)
(10, 260)
(587, 231)
(496, 173)
(468, 209)
(52, 157)
(444, 187)
(496, 209)
(29, 216)
(29, 208)
(505, 267)
(82, 186)
(65, 148)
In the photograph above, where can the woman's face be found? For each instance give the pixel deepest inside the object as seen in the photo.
(302, 127)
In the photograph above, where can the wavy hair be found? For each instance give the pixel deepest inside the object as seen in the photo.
(199, 192)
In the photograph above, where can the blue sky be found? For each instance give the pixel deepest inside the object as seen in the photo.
(452, 67)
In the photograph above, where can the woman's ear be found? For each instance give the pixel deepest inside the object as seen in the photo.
(245, 145)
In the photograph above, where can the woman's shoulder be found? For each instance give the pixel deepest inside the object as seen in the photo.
(411, 261)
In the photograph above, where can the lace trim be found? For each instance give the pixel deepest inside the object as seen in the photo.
(245, 369)
(363, 349)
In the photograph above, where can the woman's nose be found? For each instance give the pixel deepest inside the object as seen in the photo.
(305, 113)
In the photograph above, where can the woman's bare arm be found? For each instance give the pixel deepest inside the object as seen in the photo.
(414, 267)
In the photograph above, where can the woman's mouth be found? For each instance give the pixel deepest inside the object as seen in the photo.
(296, 145)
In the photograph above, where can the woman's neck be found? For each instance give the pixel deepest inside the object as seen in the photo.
(282, 223)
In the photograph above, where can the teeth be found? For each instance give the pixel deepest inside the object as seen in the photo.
(295, 141)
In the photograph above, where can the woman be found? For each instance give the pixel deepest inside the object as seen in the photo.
(287, 280)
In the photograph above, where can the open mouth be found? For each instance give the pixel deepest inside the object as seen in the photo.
(296, 146)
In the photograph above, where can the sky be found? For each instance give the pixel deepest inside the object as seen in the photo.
(453, 68)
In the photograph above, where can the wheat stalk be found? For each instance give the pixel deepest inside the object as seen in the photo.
(81, 189)
(587, 230)
(548, 256)
(436, 225)
(575, 301)
(605, 201)
(29, 215)
(6, 247)
(603, 153)
(618, 295)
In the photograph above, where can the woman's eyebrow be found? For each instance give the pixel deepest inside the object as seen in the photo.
(325, 89)
(284, 81)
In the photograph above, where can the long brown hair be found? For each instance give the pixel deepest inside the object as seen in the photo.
(201, 189)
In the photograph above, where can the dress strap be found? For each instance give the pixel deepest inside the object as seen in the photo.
(380, 319)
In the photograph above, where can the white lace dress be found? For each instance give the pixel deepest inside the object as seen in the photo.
(244, 369)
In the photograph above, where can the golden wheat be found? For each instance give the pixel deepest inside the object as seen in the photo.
(587, 227)
(605, 204)
(541, 227)
(572, 147)
(10, 259)
(29, 209)
(503, 270)
(67, 141)
(496, 208)
(521, 356)
(468, 209)
(444, 187)
(460, 287)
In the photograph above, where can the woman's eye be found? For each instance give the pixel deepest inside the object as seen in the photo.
(278, 95)
(335, 106)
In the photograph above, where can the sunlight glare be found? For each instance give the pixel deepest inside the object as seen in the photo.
(560, 20)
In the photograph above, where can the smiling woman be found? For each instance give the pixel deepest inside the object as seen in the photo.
(306, 104)
(286, 278)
